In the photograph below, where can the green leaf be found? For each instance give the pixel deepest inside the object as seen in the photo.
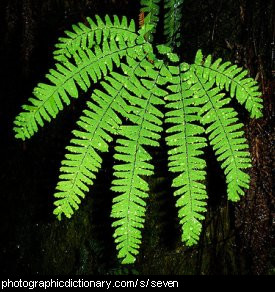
(227, 140)
(83, 161)
(151, 9)
(47, 99)
(86, 37)
(129, 206)
(233, 79)
(184, 158)
(172, 22)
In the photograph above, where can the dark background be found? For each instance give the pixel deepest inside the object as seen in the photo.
(236, 239)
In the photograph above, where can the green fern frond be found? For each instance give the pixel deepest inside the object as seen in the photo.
(225, 135)
(79, 168)
(48, 99)
(234, 79)
(85, 37)
(151, 9)
(129, 207)
(172, 22)
(185, 138)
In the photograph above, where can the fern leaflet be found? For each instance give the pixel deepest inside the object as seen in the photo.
(129, 207)
(234, 79)
(185, 136)
(83, 161)
(84, 37)
(226, 135)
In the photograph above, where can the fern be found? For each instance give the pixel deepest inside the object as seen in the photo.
(48, 99)
(138, 92)
(98, 122)
(129, 207)
(83, 161)
(187, 142)
(151, 8)
(226, 135)
(85, 37)
(233, 79)
(172, 22)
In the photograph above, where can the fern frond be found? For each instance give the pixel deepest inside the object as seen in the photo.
(83, 161)
(225, 135)
(129, 207)
(172, 22)
(48, 100)
(185, 138)
(99, 31)
(151, 8)
(234, 79)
